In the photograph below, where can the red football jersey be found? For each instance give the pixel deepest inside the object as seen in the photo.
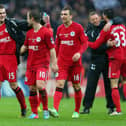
(39, 45)
(8, 45)
(116, 32)
(70, 40)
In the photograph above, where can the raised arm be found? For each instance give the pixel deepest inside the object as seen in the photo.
(101, 39)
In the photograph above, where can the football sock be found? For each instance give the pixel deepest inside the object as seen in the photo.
(116, 99)
(44, 98)
(33, 100)
(124, 90)
(20, 96)
(57, 98)
(77, 97)
(0, 91)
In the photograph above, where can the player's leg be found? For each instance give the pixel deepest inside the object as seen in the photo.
(114, 74)
(2, 77)
(0, 88)
(115, 95)
(20, 96)
(92, 81)
(110, 105)
(124, 86)
(33, 100)
(61, 76)
(30, 77)
(76, 78)
(123, 74)
(57, 98)
(42, 75)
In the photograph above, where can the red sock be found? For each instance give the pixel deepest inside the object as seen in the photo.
(44, 98)
(39, 100)
(57, 98)
(33, 100)
(124, 90)
(0, 92)
(20, 96)
(116, 99)
(78, 97)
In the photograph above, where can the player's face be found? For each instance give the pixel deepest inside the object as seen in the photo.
(29, 19)
(65, 16)
(2, 15)
(95, 19)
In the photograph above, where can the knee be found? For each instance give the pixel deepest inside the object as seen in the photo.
(40, 84)
(60, 83)
(76, 86)
(32, 88)
(13, 85)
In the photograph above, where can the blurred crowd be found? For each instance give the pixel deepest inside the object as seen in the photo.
(81, 8)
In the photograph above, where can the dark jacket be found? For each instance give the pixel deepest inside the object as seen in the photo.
(93, 32)
(15, 29)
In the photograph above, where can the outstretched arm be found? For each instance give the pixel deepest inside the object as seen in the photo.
(54, 65)
(101, 39)
(23, 49)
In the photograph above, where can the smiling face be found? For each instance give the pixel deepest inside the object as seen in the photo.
(2, 15)
(66, 16)
(95, 19)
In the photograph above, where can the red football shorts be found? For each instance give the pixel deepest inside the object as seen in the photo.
(71, 73)
(123, 69)
(116, 68)
(35, 74)
(8, 68)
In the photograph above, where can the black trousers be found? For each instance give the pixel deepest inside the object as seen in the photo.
(97, 67)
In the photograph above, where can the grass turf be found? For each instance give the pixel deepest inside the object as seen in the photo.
(10, 115)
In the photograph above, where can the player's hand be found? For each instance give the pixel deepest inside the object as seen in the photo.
(54, 67)
(107, 27)
(46, 18)
(76, 57)
(111, 43)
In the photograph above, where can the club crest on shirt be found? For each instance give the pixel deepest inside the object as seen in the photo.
(38, 39)
(72, 33)
(6, 30)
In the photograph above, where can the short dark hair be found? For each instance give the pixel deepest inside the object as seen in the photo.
(93, 13)
(109, 13)
(2, 6)
(67, 7)
(36, 15)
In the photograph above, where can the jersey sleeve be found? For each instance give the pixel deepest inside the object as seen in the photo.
(101, 39)
(49, 40)
(83, 40)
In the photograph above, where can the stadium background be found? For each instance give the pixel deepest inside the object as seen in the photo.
(18, 9)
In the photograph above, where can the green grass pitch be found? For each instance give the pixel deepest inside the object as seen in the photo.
(10, 115)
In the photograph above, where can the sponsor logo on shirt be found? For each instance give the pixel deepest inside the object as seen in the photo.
(69, 42)
(5, 40)
(34, 48)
